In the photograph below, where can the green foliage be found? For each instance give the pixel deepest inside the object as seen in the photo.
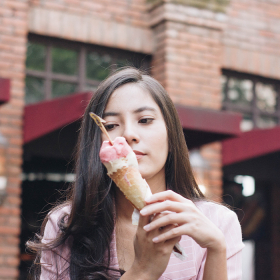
(34, 89)
(213, 5)
(123, 62)
(240, 91)
(64, 61)
(62, 88)
(98, 66)
(35, 57)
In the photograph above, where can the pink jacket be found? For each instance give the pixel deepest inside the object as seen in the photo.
(190, 269)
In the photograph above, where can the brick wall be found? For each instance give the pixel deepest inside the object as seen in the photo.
(158, 64)
(252, 37)
(119, 24)
(187, 61)
(13, 30)
(121, 11)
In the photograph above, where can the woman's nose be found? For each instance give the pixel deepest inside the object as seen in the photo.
(130, 134)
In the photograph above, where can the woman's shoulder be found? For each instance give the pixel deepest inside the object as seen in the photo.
(55, 255)
(60, 210)
(219, 214)
(226, 220)
(54, 218)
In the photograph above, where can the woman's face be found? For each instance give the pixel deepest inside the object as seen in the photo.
(132, 113)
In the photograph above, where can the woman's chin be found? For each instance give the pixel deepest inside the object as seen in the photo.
(145, 175)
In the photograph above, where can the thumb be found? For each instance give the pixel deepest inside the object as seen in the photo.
(143, 220)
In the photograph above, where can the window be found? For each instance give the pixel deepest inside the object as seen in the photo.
(257, 98)
(56, 67)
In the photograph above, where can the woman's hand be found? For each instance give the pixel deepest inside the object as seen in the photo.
(175, 216)
(151, 259)
(187, 218)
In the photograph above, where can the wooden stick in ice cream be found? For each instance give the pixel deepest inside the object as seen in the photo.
(99, 121)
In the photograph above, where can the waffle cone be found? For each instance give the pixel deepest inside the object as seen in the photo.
(131, 183)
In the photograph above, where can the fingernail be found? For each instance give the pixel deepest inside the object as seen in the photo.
(155, 239)
(148, 199)
(143, 212)
(147, 227)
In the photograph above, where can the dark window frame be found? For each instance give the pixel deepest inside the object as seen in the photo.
(253, 108)
(82, 48)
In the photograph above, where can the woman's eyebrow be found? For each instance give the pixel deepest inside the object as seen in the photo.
(139, 110)
(107, 114)
(144, 108)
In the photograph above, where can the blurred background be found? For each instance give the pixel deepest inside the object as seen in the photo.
(218, 59)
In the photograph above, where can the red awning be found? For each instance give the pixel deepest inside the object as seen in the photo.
(251, 144)
(201, 126)
(255, 153)
(44, 117)
(4, 90)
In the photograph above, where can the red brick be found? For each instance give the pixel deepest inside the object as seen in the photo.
(8, 210)
(12, 240)
(8, 273)
(15, 180)
(16, 161)
(12, 261)
(13, 200)
(17, 5)
(14, 150)
(14, 190)
(8, 250)
(4, 12)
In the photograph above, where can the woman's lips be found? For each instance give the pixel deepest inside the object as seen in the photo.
(138, 154)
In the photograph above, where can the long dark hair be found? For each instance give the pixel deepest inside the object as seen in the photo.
(91, 221)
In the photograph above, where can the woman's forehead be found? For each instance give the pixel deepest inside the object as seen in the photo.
(130, 97)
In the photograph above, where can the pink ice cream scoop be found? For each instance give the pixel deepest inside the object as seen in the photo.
(118, 150)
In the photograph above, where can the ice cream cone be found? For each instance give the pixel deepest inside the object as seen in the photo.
(131, 183)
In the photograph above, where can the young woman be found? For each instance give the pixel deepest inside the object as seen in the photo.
(91, 236)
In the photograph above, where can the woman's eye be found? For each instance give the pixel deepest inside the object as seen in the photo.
(110, 126)
(146, 120)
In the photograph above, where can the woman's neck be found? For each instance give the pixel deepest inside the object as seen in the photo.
(157, 183)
